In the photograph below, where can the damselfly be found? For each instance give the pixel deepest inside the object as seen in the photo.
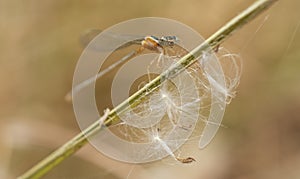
(151, 43)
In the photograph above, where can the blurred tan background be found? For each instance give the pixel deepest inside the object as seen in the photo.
(39, 48)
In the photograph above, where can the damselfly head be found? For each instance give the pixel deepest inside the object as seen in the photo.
(168, 40)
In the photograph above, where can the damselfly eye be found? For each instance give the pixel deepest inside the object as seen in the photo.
(171, 43)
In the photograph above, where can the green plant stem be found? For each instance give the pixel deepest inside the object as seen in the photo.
(212, 42)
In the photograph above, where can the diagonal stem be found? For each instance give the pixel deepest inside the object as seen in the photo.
(213, 41)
